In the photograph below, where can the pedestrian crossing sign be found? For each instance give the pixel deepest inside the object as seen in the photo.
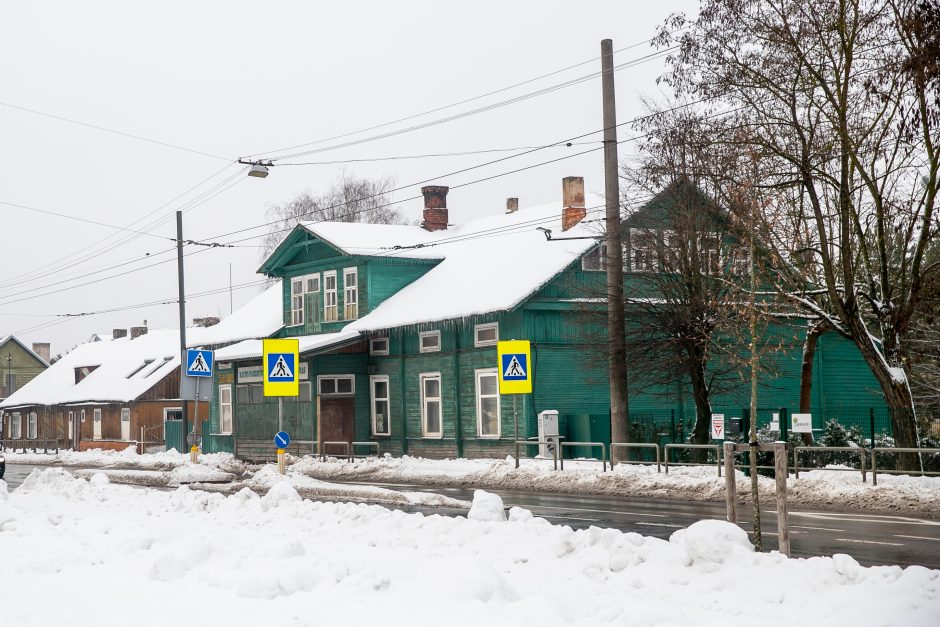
(198, 363)
(515, 367)
(280, 362)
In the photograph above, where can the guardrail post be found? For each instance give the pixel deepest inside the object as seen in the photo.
(718, 460)
(603, 457)
(874, 466)
(730, 487)
(783, 522)
(861, 454)
(517, 453)
(666, 456)
(796, 462)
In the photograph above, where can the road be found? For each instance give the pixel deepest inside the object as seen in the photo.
(869, 538)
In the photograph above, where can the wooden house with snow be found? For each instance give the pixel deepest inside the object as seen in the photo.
(398, 325)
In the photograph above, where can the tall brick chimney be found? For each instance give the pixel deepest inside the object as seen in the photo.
(435, 207)
(572, 196)
(43, 349)
(512, 205)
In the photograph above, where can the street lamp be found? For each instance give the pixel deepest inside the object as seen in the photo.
(258, 169)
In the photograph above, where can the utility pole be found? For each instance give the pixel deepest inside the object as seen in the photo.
(182, 297)
(617, 354)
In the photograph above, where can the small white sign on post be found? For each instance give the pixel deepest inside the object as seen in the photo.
(718, 426)
(802, 423)
(775, 422)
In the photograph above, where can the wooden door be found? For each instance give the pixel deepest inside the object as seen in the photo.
(336, 421)
(125, 424)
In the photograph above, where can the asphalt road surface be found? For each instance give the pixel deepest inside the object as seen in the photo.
(869, 538)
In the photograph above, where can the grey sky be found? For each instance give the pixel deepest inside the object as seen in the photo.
(237, 78)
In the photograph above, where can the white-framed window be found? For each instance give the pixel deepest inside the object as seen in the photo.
(225, 408)
(71, 425)
(381, 419)
(304, 389)
(249, 394)
(595, 260)
(300, 286)
(642, 250)
(351, 293)
(32, 426)
(431, 423)
(125, 423)
(429, 341)
(96, 433)
(336, 385)
(329, 296)
(83, 415)
(488, 407)
(486, 334)
(672, 247)
(709, 250)
(378, 346)
(16, 426)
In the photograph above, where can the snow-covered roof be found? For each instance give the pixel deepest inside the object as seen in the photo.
(252, 349)
(487, 265)
(125, 368)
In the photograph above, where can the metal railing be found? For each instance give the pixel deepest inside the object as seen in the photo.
(590, 444)
(353, 445)
(714, 447)
(628, 446)
(33, 444)
(848, 449)
(891, 449)
(343, 443)
(552, 445)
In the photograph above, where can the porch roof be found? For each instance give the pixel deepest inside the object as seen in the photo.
(309, 344)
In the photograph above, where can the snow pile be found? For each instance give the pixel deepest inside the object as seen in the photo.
(900, 494)
(220, 557)
(181, 475)
(487, 507)
(128, 458)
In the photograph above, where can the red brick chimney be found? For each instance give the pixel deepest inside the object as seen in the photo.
(572, 197)
(512, 205)
(435, 207)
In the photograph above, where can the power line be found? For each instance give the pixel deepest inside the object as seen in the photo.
(79, 219)
(112, 131)
(432, 155)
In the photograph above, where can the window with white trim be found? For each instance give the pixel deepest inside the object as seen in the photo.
(595, 260)
(486, 334)
(350, 293)
(32, 426)
(488, 407)
(16, 426)
(378, 346)
(300, 286)
(429, 341)
(303, 393)
(125, 423)
(71, 425)
(225, 409)
(643, 250)
(96, 433)
(381, 420)
(249, 394)
(431, 426)
(336, 385)
(329, 296)
(83, 415)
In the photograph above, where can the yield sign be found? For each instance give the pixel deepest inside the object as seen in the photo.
(718, 426)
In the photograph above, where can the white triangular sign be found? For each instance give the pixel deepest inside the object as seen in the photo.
(514, 368)
(199, 364)
(281, 370)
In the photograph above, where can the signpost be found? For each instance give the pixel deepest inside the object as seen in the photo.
(514, 364)
(198, 366)
(281, 441)
(281, 364)
(718, 426)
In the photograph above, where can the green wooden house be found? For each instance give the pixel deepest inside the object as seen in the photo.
(398, 327)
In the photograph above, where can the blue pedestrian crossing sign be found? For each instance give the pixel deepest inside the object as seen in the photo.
(198, 363)
(515, 367)
(281, 367)
(281, 439)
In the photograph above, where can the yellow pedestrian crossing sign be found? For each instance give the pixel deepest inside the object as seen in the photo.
(280, 362)
(515, 367)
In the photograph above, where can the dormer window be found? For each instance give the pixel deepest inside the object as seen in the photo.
(83, 371)
(329, 296)
(300, 286)
(351, 293)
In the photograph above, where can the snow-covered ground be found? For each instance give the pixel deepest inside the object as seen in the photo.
(817, 488)
(113, 555)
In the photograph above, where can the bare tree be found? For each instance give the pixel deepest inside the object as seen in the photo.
(349, 199)
(837, 98)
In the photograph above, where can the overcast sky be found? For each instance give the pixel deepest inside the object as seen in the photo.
(232, 79)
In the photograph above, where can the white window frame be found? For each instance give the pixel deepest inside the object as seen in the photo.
(336, 377)
(223, 406)
(96, 424)
(83, 416)
(298, 298)
(330, 308)
(422, 377)
(378, 351)
(488, 372)
(16, 425)
(350, 296)
(651, 257)
(601, 251)
(477, 342)
(373, 399)
(126, 411)
(433, 349)
(32, 425)
(71, 425)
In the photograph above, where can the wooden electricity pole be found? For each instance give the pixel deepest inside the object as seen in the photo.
(619, 409)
